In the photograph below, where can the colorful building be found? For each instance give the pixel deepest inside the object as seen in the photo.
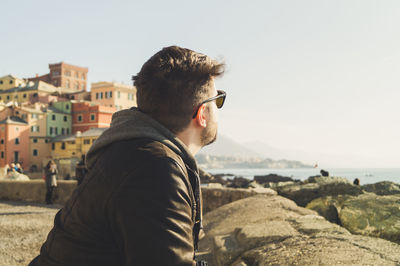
(87, 115)
(14, 141)
(74, 145)
(66, 76)
(10, 81)
(28, 93)
(58, 122)
(113, 94)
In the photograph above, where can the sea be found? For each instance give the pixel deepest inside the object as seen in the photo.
(366, 175)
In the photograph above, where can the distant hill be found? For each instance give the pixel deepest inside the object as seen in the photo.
(227, 153)
(225, 146)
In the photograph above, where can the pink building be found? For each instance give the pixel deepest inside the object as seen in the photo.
(14, 141)
(88, 115)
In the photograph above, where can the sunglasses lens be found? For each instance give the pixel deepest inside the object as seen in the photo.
(220, 102)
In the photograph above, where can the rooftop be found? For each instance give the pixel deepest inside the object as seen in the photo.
(14, 120)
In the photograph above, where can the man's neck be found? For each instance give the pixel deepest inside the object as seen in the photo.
(189, 138)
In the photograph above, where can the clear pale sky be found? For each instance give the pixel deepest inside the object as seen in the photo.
(315, 76)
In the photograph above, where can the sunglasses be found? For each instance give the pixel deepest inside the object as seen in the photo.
(219, 101)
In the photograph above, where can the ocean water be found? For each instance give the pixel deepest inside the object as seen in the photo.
(366, 175)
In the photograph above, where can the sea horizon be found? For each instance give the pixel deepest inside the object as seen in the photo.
(366, 175)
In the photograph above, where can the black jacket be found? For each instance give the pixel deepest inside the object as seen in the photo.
(138, 205)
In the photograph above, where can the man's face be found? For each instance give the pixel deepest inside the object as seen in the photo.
(209, 133)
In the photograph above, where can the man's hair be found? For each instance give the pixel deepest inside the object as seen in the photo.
(172, 83)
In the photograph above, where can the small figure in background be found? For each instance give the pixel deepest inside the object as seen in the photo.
(356, 182)
(324, 173)
(51, 180)
(18, 168)
(81, 170)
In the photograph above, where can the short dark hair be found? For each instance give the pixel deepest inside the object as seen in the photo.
(172, 83)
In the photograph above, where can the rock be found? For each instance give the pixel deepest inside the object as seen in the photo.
(272, 230)
(325, 179)
(302, 194)
(280, 184)
(271, 178)
(215, 197)
(383, 188)
(238, 182)
(206, 178)
(372, 215)
(328, 207)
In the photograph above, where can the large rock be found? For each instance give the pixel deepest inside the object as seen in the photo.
(272, 230)
(214, 197)
(271, 178)
(372, 215)
(302, 194)
(383, 188)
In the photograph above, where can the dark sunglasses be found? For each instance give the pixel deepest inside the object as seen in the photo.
(219, 101)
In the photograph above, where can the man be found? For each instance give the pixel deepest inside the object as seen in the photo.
(140, 203)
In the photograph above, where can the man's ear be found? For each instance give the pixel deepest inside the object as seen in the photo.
(201, 116)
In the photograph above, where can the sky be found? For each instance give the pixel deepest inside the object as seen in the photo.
(313, 76)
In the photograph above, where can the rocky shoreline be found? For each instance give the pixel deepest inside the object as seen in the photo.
(344, 211)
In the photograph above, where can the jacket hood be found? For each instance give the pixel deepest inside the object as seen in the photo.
(131, 124)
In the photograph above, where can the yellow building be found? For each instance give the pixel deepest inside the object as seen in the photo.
(30, 92)
(74, 145)
(113, 94)
(10, 81)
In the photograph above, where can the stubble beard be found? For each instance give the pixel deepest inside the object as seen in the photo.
(209, 134)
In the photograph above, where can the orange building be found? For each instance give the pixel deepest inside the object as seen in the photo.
(88, 115)
(113, 94)
(14, 141)
(66, 76)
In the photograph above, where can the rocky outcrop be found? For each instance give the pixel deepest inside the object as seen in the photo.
(367, 214)
(272, 230)
(383, 188)
(214, 196)
(271, 178)
(317, 187)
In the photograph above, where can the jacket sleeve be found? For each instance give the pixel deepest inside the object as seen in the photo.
(151, 216)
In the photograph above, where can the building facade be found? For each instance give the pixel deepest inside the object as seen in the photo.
(10, 81)
(66, 76)
(14, 142)
(119, 96)
(88, 115)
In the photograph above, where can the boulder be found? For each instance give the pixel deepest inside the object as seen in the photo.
(272, 230)
(206, 178)
(326, 179)
(238, 182)
(302, 194)
(372, 215)
(329, 207)
(214, 197)
(383, 188)
(271, 178)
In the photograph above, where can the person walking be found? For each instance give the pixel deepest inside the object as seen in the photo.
(80, 170)
(51, 180)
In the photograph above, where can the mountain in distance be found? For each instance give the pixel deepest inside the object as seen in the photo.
(225, 146)
(227, 153)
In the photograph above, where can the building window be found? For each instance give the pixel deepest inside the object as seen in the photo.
(56, 73)
(101, 95)
(62, 131)
(23, 116)
(53, 146)
(34, 140)
(8, 97)
(67, 73)
(1, 98)
(79, 118)
(17, 129)
(86, 141)
(56, 128)
(16, 97)
(1, 82)
(92, 117)
(16, 141)
(77, 86)
(77, 75)
(67, 131)
(2, 154)
(51, 130)
(97, 95)
(34, 128)
(110, 94)
(67, 106)
(34, 116)
(24, 95)
(35, 152)
(63, 146)
(83, 77)
(46, 141)
(65, 118)
(2, 141)
(93, 140)
(53, 117)
(11, 82)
